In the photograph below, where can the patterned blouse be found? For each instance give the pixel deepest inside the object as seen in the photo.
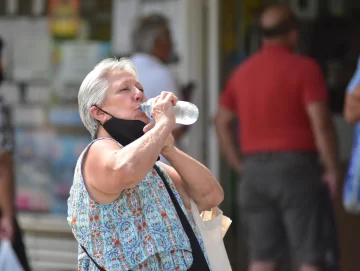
(140, 230)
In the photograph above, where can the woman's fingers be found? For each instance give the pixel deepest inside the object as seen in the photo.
(148, 127)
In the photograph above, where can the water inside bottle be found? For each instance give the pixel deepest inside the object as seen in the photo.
(186, 113)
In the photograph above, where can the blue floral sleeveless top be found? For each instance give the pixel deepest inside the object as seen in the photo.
(140, 230)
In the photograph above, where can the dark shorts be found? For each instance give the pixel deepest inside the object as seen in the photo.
(284, 205)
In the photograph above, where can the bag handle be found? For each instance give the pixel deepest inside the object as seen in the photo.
(210, 224)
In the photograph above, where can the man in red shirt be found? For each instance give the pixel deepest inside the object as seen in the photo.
(280, 100)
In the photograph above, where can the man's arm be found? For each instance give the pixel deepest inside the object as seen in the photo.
(7, 205)
(223, 125)
(326, 141)
(315, 100)
(325, 135)
(352, 106)
(6, 184)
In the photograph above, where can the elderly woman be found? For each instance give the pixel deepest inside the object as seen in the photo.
(126, 210)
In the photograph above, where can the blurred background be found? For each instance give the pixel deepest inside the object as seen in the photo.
(49, 47)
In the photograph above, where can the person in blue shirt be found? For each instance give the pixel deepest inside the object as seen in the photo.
(352, 99)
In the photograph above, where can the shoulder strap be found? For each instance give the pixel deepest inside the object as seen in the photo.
(98, 266)
(199, 261)
(171, 193)
(185, 223)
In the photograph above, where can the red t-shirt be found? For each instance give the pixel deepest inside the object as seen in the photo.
(269, 93)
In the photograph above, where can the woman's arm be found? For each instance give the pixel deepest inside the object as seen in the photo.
(193, 180)
(108, 170)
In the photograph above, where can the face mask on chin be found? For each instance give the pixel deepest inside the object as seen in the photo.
(124, 131)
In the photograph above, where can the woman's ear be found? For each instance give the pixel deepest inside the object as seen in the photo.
(97, 114)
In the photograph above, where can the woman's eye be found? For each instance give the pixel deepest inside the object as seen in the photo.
(124, 89)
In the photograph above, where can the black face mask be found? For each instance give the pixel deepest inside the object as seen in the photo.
(124, 131)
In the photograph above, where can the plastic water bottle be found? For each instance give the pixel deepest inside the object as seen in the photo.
(185, 113)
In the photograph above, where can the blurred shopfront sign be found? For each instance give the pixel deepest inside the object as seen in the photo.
(64, 18)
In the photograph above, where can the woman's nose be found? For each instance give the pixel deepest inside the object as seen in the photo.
(139, 95)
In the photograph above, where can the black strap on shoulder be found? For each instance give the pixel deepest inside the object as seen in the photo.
(199, 261)
(98, 266)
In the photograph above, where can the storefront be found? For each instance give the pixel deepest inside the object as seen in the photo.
(49, 47)
(329, 32)
(57, 43)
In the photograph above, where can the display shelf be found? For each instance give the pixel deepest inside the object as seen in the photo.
(49, 242)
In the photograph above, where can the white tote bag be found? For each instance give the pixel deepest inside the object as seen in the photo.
(8, 258)
(213, 226)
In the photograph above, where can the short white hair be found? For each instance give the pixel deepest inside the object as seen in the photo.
(146, 30)
(93, 88)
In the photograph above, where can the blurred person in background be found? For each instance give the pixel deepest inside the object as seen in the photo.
(153, 51)
(9, 228)
(281, 103)
(352, 98)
